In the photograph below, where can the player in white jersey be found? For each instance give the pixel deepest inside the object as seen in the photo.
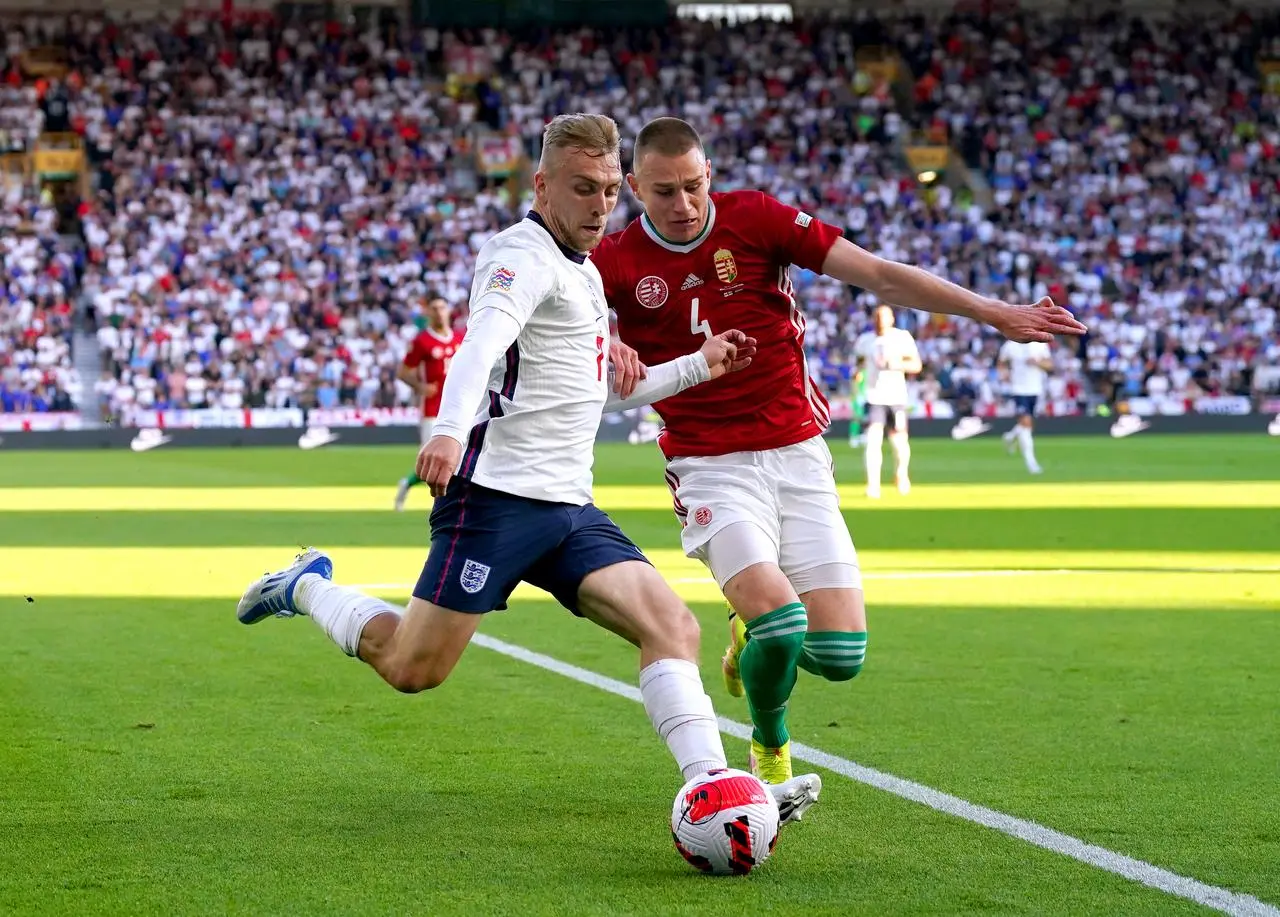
(887, 355)
(510, 461)
(1027, 366)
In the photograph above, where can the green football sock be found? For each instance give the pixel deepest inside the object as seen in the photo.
(412, 478)
(768, 668)
(834, 655)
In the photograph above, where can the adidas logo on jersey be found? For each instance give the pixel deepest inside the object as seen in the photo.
(693, 280)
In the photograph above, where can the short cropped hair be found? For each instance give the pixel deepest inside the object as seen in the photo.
(667, 137)
(595, 135)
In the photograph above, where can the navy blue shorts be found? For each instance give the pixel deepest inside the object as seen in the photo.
(484, 542)
(1025, 404)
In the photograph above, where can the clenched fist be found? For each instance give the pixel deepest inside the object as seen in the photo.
(729, 352)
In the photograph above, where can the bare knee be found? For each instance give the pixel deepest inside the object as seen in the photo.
(669, 630)
(758, 590)
(685, 631)
(416, 678)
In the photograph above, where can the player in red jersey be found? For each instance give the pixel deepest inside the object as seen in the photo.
(423, 370)
(751, 476)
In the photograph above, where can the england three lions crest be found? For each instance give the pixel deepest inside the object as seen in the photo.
(474, 576)
(726, 267)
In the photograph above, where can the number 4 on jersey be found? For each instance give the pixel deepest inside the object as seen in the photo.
(695, 326)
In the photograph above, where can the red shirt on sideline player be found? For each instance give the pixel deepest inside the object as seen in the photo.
(427, 362)
(423, 370)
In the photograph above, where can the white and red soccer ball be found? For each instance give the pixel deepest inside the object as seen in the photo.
(725, 822)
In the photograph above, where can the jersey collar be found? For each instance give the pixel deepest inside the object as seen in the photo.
(575, 257)
(445, 338)
(682, 247)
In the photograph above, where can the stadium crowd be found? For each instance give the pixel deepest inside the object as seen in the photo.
(273, 201)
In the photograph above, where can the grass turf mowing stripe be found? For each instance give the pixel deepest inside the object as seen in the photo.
(1038, 495)
(1122, 580)
(1112, 529)
(1211, 896)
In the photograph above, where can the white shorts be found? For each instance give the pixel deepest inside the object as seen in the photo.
(788, 498)
(896, 415)
(424, 429)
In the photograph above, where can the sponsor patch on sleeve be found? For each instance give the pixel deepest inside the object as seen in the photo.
(803, 220)
(500, 279)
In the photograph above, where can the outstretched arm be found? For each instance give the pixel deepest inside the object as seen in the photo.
(728, 352)
(904, 285)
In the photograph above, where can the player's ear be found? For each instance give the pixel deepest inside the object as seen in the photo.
(633, 184)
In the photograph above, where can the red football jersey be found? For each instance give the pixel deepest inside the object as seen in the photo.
(670, 298)
(433, 352)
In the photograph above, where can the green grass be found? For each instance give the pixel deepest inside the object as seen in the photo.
(1069, 459)
(160, 758)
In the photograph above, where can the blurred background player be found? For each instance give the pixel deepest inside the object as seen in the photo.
(751, 476)
(1027, 366)
(887, 356)
(424, 369)
(857, 407)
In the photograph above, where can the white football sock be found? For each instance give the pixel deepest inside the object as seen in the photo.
(875, 439)
(1027, 445)
(681, 711)
(902, 450)
(341, 612)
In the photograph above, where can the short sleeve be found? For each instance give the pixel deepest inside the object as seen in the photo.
(796, 237)
(413, 359)
(1006, 352)
(510, 278)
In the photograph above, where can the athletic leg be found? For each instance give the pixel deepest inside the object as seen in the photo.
(819, 559)
(411, 651)
(872, 454)
(598, 573)
(901, 451)
(1026, 443)
(482, 543)
(729, 510)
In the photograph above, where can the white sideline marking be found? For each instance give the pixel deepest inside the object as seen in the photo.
(1221, 899)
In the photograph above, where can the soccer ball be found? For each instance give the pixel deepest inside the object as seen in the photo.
(725, 822)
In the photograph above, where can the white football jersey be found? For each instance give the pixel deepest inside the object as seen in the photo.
(536, 435)
(886, 387)
(1025, 378)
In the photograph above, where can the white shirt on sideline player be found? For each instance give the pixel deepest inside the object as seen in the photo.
(1026, 378)
(879, 352)
(527, 387)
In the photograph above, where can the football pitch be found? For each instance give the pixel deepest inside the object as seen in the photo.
(1078, 674)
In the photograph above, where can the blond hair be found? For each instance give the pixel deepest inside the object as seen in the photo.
(595, 135)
